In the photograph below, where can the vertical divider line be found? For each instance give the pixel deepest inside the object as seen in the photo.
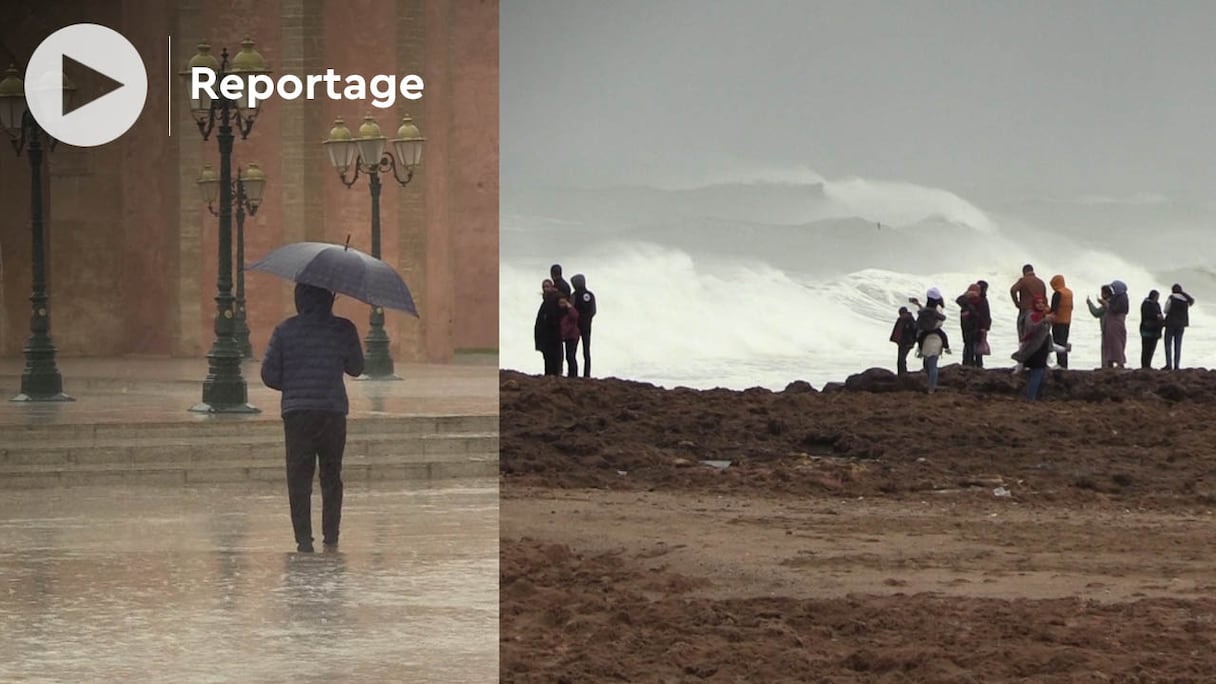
(169, 73)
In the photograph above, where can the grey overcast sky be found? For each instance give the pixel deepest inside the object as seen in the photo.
(1021, 97)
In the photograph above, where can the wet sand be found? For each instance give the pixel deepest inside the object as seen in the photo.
(867, 534)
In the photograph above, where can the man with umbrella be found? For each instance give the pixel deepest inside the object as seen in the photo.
(305, 360)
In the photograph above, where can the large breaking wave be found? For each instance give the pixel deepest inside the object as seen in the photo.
(757, 283)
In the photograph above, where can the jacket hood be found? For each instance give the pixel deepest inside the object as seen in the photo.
(579, 281)
(312, 300)
(1057, 282)
(1118, 287)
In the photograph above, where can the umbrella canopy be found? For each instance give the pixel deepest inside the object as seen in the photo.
(339, 269)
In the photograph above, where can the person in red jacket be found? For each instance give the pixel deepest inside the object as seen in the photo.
(569, 334)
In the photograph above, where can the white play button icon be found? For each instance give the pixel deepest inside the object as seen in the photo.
(96, 56)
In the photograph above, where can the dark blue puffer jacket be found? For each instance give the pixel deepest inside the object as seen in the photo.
(309, 352)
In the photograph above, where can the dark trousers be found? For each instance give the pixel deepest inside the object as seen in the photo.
(1059, 333)
(1173, 347)
(969, 340)
(585, 336)
(901, 360)
(1148, 348)
(315, 437)
(553, 358)
(572, 358)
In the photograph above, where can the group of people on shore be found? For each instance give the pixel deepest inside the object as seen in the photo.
(1043, 327)
(563, 320)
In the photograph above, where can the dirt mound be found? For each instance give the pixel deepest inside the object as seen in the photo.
(1140, 437)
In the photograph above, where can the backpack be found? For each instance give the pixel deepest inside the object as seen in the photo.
(926, 323)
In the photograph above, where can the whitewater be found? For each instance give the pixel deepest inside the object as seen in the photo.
(762, 281)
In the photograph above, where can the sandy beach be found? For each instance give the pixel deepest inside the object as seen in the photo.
(868, 533)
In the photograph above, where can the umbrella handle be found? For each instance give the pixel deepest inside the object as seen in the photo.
(347, 247)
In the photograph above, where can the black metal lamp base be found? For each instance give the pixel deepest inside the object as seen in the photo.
(52, 397)
(233, 408)
(375, 378)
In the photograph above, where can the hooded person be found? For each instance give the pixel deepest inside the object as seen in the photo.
(1030, 342)
(1177, 318)
(931, 337)
(904, 336)
(1116, 324)
(969, 321)
(555, 273)
(1037, 346)
(985, 322)
(547, 332)
(930, 317)
(1099, 311)
(305, 360)
(1151, 322)
(1061, 307)
(584, 301)
(569, 327)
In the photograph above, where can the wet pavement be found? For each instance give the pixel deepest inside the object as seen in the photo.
(163, 390)
(202, 584)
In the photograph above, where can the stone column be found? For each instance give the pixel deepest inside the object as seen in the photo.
(186, 309)
(413, 205)
(304, 166)
(439, 108)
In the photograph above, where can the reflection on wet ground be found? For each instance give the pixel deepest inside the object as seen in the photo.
(134, 391)
(203, 585)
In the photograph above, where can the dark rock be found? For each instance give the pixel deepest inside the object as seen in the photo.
(882, 380)
(799, 387)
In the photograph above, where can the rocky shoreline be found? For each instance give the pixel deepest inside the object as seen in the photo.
(1140, 434)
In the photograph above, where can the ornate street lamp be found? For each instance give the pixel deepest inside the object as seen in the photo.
(247, 190)
(224, 390)
(367, 155)
(40, 381)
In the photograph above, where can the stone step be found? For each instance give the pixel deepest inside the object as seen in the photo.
(357, 470)
(148, 452)
(220, 443)
(235, 427)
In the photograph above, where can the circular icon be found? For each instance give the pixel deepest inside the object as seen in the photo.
(87, 55)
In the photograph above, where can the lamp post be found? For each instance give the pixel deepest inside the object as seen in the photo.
(224, 390)
(247, 190)
(368, 156)
(40, 381)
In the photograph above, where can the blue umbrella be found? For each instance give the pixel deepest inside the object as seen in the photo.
(339, 269)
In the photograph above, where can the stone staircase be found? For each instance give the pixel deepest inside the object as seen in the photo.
(232, 449)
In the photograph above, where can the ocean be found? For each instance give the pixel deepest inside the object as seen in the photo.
(759, 282)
